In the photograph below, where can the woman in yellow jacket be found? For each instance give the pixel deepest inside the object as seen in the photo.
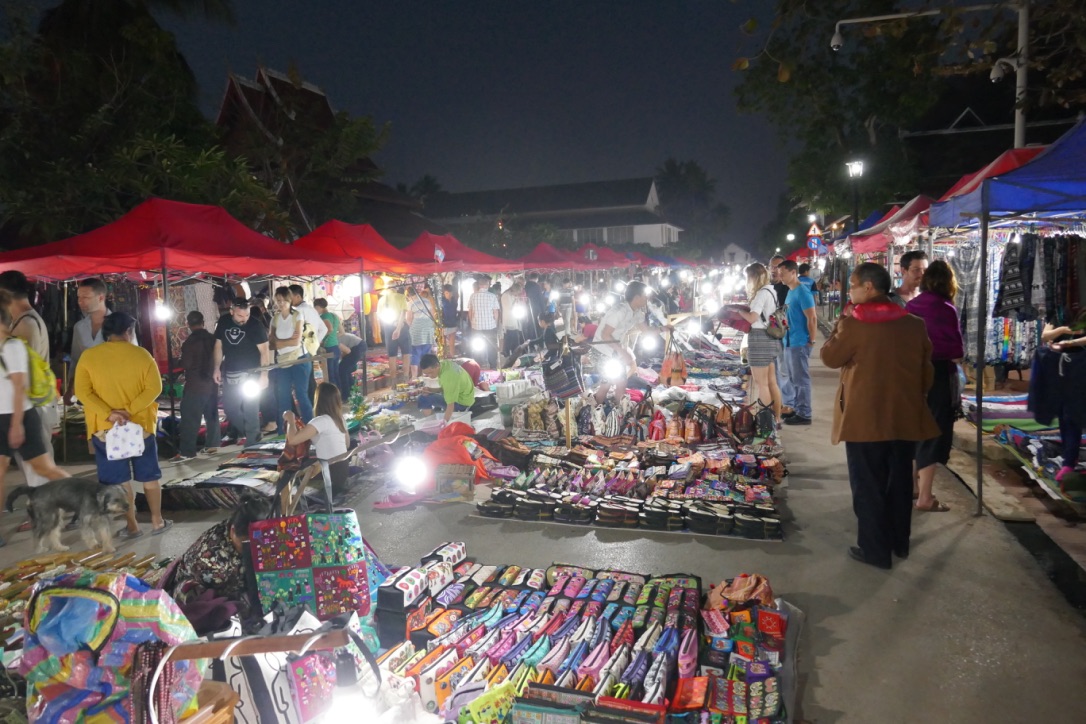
(118, 382)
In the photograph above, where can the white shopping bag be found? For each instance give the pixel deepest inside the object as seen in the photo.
(124, 441)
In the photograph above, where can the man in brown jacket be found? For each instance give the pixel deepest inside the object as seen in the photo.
(881, 410)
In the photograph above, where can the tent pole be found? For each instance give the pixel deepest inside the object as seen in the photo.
(362, 327)
(982, 313)
(66, 386)
(174, 439)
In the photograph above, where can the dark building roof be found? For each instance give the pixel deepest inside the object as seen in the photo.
(628, 194)
(592, 220)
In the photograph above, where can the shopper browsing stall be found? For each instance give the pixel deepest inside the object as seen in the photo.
(241, 346)
(326, 430)
(935, 306)
(1061, 369)
(880, 423)
(456, 385)
(420, 322)
(353, 349)
(392, 311)
(330, 345)
(799, 340)
(611, 340)
(762, 350)
(200, 399)
(450, 319)
(291, 383)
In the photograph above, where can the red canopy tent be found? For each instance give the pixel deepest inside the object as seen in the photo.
(644, 260)
(600, 257)
(163, 235)
(684, 260)
(455, 256)
(363, 243)
(545, 256)
(1004, 162)
(902, 225)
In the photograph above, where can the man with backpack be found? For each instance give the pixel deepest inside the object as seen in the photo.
(29, 326)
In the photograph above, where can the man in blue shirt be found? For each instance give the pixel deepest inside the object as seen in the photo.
(799, 340)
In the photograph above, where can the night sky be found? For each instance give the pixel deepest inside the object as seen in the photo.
(502, 94)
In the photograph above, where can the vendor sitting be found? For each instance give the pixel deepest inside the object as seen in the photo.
(326, 429)
(217, 566)
(456, 385)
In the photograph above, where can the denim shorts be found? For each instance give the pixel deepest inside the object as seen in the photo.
(399, 346)
(418, 350)
(143, 469)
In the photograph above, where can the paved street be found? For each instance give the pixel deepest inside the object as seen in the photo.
(967, 630)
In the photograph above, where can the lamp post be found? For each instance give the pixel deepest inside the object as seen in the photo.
(790, 237)
(855, 172)
(1018, 61)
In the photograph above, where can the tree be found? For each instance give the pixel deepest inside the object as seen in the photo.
(96, 117)
(885, 81)
(688, 199)
(426, 188)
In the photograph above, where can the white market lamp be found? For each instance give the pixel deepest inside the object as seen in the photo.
(855, 169)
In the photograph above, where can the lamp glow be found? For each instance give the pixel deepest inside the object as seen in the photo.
(519, 311)
(665, 283)
(162, 312)
(467, 287)
(351, 287)
(685, 274)
(610, 298)
(409, 472)
(554, 295)
(711, 305)
(585, 299)
(478, 344)
(791, 237)
(250, 389)
(601, 306)
(855, 169)
(387, 316)
(649, 343)
(619, 286)
(693, 326)
(613, 369)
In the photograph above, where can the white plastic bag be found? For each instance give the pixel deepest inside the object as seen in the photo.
(124, 441)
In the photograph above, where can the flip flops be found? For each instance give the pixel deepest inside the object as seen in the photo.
(166, 525)
(935, 507)
(125, 534)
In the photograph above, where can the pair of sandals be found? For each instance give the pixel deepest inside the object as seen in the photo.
(125, 534)
(936, 506)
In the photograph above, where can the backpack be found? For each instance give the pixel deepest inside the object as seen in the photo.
(776, 324)
(41, 384)
(766, 422)
(743, 424)
(673, 370)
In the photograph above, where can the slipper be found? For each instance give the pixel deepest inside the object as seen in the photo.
(166, 525)
(936, 507)
(125, 534)
(397, 500)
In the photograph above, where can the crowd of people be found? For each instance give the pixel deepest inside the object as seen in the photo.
(898, 346)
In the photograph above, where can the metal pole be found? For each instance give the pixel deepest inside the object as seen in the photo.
(66, 370)
(982, 314)
(173, 438)
(363, 327)
(1021, 76)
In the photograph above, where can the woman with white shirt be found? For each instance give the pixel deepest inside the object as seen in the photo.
(762, 350)
(327, 429)
(291, 383)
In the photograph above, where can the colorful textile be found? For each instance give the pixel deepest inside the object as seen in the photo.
(82, 635)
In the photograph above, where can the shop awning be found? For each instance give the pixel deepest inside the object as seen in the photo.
(1055, 181)
(899, 228)
(185, 238)
(962, 202)
(359, 242)
(451, 255)
(545, 256)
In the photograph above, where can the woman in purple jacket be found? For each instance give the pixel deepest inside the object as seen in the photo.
(935, 306)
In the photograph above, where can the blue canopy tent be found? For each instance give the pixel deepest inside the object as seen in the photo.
(1052, 184)
(669, 260)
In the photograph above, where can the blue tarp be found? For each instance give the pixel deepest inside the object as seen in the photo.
(1053, 182)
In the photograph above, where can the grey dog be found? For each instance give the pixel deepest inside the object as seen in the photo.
(93, 503)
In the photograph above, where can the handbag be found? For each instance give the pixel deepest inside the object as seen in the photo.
(776, 324)
(562, 374)
(124, 441)
(673, 369)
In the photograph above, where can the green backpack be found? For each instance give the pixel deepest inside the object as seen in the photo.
(41, 387)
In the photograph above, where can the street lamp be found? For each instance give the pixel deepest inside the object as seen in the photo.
(1019, 62)
(855, 172)
(791, 237)
(811, 218)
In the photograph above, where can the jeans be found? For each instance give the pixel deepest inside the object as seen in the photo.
(1070, 437)
(241, 411)
(797, 360)
(194, 407)
(332, 365)
(347, 367)
(292, 383)
(788, 392)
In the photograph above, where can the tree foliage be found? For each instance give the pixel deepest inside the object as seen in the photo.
(834, 106)
(688, 199)
(97, 112)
